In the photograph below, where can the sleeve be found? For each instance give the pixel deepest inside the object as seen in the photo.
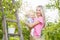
(41, 20)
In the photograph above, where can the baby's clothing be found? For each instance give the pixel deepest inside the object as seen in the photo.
(30, 20)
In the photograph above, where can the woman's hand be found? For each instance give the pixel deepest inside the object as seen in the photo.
(31, 25)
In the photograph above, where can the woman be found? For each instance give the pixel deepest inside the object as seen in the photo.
(38, 23)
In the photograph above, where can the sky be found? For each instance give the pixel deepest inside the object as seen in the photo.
(50, 14)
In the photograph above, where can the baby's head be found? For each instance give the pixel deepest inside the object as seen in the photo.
(31, 14)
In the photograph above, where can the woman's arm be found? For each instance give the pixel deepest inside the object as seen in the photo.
(31, 25)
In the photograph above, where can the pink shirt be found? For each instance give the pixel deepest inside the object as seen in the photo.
(38, 27)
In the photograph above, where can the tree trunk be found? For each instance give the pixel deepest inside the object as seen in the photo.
(19, 27)
(5, 35)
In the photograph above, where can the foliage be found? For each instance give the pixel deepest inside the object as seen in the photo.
(14, 38)
(25, 29)
(52, 31)
(1, 25)
(55, 4)
(26, 34)
(9, 7)
(1, 29)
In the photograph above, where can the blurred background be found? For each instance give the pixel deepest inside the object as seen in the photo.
(52, 17)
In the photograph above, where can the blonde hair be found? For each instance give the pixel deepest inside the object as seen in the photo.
(42, 12)
(30, 12)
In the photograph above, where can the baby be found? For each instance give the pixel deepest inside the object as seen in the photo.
(30, 19)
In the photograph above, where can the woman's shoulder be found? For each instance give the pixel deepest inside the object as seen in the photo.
(41, 17)
(38, 18)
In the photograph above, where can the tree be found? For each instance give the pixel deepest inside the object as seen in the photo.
(52, 30)
(8, 7)
(54, 4)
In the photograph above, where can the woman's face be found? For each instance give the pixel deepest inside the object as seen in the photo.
(38, 11)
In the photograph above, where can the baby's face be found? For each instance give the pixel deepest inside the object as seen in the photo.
(32, 15)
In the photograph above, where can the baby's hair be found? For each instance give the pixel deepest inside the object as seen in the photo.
(29, 12)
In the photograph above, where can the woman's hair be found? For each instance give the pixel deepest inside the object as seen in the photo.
(41, 9)
(42, 12)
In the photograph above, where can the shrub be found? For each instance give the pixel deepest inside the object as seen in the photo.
(52, 31)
